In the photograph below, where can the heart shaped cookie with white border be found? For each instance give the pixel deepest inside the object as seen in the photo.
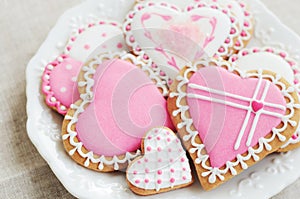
(229, 119)
(277, 60)
(239, 8)
(163, 167)
(119, 103)
(170, 37)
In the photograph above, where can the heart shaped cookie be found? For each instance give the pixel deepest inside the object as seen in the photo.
(230, 120)
(119, 103)
(59, 81)
(238, 8)
(163, 167)
(277, 60)
(169, 37)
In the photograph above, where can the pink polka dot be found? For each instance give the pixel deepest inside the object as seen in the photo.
(183, 177)
(182, 159)
(232, 31)
(146, 180)
(104, 35)
(171, 160)
(180, 150)
(104, 46)
(172, 180)
(159, 160)
(87, 47)
(139, 162)
(148, 148)
(137, 181)
(169, 150)
(149, 137)
(159, 181)
(120, 45)
(146, 160)
(168, 139)
(183, 169)
(146, 170)
(134, 172)
(159, 172)
(158, 149)
(172, 170)
(158, 138)
(294, 137)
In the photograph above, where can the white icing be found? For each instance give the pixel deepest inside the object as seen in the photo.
(164, 164)
(102, 38)
(267, 61)
(199, 149)
(190, 47)
(86, 98)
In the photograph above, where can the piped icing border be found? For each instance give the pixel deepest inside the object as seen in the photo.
(294, 66)
(199, 149)
(224, 50)
(87, 98)
(51, 100)
(247, 25)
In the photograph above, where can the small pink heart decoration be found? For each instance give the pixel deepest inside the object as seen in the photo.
(256, 106)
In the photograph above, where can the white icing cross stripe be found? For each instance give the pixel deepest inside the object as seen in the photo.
(248, 108)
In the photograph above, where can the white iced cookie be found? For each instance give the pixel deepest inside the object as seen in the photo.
(163, 167)
(170, 37)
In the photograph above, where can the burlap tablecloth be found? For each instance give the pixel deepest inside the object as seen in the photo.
(24, 24)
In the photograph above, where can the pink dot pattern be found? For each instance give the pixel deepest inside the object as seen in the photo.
(164, 164)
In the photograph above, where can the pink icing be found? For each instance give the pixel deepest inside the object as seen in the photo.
(62, 82)
(126, 105)
(219, 125)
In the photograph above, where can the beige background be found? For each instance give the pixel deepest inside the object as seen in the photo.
(24, 25)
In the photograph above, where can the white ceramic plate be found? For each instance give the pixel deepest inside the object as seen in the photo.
(264, 180)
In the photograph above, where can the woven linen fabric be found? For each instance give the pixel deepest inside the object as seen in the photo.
(24, 25)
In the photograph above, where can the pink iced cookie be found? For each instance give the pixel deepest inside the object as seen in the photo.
(230, 120)
(163, 167)
(119, 103)
(171, 38)
(60, 76)
(60, 83)
(277, 60)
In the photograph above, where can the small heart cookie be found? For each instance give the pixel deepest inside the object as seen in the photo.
(59, 81)
(277, 60)
(170, 37)
(230, 120)
(163, 167)
(119, 103)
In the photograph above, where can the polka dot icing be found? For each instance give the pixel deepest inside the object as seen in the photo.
(158, 172)
(58, 85)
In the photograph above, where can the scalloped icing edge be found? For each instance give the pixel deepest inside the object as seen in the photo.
(142, 54)
(86, 99)
(294, 66)
(215, 175)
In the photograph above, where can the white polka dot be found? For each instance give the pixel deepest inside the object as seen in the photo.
(69, 67)
(63, 89)
(74, 79)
